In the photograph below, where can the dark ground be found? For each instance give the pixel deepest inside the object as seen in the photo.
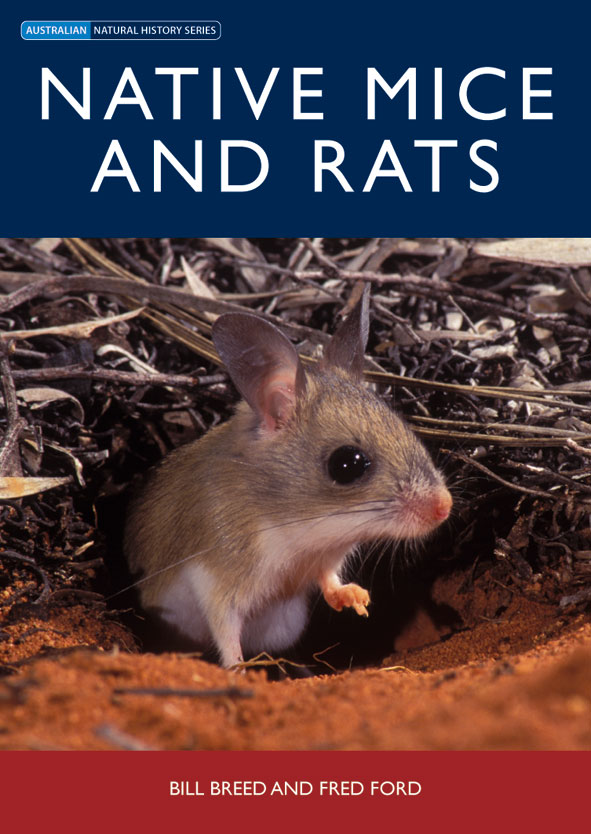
(481, 642)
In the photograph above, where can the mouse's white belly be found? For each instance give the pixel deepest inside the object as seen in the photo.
(274, 624)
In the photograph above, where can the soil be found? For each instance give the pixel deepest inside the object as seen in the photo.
(519, 682)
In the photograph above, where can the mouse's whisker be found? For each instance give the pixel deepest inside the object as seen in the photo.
(377, 505)
(151, 575)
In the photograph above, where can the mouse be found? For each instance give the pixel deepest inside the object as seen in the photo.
(231, 534)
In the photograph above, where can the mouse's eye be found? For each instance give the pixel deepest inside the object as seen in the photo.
(347, 463)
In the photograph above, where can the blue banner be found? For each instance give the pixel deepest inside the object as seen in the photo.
(432, 120)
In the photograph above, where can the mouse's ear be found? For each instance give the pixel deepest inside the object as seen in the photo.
(346, 349)
(263, 364)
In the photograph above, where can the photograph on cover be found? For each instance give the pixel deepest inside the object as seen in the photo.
(295, 493)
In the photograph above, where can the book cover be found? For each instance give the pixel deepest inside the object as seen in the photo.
(178, 180)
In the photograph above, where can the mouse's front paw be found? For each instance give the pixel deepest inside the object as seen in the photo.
(348, 596)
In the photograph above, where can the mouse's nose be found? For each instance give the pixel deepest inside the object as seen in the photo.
(440, 504)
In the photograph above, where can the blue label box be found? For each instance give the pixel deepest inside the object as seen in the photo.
(55, 30)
